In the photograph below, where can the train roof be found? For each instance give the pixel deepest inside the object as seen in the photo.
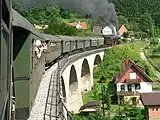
(51, 37)
(96, 37)
(72, 38)
(20, 21)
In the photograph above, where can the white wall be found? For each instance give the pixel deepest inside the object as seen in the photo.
(107, 31)
(145, 87)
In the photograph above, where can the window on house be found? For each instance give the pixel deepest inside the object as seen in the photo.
(152, 109)
(137, 86)
(132, 75)
(156, 109)
(122, 88)
(129, 88)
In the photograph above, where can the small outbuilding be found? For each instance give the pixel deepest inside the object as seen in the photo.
(151, 102)
(92, 106)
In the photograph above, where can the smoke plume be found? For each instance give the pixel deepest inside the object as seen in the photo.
(100, 10)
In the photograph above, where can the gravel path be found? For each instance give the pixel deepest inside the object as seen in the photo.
(37, 112)
(145, 59)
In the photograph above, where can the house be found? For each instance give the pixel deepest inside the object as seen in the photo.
(79, 25)
(109, 31)
(39, 27)
(130, 82)
(151, 101)
(122, 30)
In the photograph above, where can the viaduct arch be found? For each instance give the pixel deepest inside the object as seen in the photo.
(77, 78)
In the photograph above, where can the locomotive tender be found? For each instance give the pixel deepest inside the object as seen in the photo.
(29, 53)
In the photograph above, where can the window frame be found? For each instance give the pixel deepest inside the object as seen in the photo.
(122, 86)
(131, 74)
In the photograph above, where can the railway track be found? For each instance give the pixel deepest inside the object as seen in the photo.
(55, 108)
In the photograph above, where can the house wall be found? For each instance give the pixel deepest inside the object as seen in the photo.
(154, 112)
(145, 87)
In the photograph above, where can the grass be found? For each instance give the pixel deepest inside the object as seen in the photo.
(155, 59)
(87, 97)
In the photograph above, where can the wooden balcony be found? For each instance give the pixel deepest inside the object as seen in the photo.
(128, 93)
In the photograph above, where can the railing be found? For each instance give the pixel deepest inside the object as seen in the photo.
(63, 113)
(127, 93)
(55, 108)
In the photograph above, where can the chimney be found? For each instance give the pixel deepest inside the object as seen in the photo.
(126, 62)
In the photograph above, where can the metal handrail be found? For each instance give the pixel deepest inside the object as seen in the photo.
(62, 108)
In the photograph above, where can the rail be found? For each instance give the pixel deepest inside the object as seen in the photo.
(64, 114)
(55, 108)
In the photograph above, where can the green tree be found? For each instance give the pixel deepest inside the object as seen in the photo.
(122, 20)
(156, 17)
(146, 23)
(18, 6)
(95, 91)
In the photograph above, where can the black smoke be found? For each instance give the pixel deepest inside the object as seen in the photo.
(100, 10)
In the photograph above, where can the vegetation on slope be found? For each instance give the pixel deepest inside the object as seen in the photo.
(140, 16)
(56, 18)
(114, 60)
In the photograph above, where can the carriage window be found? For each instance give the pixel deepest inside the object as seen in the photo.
(66, 43)
(53, 44)
(5, 13)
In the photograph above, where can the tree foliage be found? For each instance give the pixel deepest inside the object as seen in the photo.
(141, 14)
(114, 60)
(95, 116)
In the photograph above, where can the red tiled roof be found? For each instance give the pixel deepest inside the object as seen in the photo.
(122, 30)
(150, 99)
(83, 24)
(129, 64)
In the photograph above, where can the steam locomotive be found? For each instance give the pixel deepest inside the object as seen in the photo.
(32, 51)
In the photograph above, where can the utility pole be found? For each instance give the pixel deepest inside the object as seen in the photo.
(102, 81)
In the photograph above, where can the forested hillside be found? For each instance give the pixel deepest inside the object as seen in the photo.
(56, 18)
(139, 15)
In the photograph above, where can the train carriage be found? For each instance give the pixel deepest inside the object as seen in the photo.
(68, 44)
(53, 47)
(5, 60)
(28, 64)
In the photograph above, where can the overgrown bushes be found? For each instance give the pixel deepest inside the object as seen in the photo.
(114, 60)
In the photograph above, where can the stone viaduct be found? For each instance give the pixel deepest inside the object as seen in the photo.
(77, 78)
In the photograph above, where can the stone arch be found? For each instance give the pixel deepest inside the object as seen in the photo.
(97, 59)
(85, 76)
(74, 95)
(63, 89)
(73, 81)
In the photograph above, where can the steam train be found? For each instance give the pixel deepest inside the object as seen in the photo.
(29, 53)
